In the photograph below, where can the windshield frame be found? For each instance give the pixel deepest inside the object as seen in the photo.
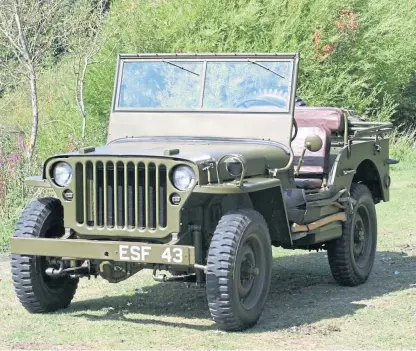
(204, 59)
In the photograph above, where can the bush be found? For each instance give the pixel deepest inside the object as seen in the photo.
(355, 54)
(402, 148)
(13, 193)
(406, 110)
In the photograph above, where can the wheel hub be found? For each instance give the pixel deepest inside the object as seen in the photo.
(248, 271)
(359, 237)
(361, 234)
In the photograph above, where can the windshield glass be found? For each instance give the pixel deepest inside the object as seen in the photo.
(198, 84)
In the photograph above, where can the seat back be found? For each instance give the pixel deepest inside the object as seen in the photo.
(330, 117)
(315, 163)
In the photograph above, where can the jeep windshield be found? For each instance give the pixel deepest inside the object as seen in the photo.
(210, 84)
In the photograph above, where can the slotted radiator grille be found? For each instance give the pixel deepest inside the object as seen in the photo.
(122, 195)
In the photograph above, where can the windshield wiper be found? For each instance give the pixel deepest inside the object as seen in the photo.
(185, 69)
(266, 68)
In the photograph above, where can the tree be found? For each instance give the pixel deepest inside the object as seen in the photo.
(405, 116)
(85, 47)
(31, 29)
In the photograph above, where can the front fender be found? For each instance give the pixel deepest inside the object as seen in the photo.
(266, 198)
(38, 181)
(270, 203)
(249, 185)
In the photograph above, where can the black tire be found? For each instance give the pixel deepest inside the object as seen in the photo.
(351, 257)
(37, 292)
(239, 270)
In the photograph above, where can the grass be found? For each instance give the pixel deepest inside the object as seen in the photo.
(305, 309)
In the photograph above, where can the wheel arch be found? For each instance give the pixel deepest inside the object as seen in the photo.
(265, 197)
(270, 204)
(368, 175)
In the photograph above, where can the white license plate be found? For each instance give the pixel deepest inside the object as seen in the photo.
(154, 254)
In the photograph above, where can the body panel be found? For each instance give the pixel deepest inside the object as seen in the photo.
(250, 125)
(196, 150)
(342, 173)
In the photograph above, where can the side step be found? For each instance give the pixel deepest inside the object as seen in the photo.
(322, 234)
(340, 216)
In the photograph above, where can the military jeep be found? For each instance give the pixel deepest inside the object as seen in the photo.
(209, 163)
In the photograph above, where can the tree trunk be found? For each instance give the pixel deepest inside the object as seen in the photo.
(33, 88)
(35, 112)
(80, 96)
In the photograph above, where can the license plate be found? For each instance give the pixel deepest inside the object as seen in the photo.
(162, 254)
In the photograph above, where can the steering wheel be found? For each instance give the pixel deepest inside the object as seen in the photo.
(269, 100)
(265, 100)
(295, 130)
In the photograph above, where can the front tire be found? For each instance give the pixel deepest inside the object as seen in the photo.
(351, 257)
(239, 270)
(38, 292)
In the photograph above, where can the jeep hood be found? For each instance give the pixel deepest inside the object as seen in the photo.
(258, 154)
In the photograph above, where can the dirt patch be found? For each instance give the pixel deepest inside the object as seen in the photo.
(44, 346)
(314, 329)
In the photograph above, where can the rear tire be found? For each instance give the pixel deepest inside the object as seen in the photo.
(351, 257)
(37, 292)
(239, 270)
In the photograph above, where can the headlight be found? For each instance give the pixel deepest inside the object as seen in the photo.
(234, 167)
(183, 177)
(62, 174)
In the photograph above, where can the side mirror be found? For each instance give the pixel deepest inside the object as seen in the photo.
(313, 143)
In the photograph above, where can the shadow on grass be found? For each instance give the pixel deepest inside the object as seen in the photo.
(302, 292)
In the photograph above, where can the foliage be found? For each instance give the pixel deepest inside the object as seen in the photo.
(32, 32)
(402, 148)
(406, 111)
(354, 53)
(13, 192)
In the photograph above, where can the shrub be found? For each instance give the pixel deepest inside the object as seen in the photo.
(13, 192)
(355, 54)
(402, 148)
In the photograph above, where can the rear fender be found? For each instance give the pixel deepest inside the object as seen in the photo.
(365, 164)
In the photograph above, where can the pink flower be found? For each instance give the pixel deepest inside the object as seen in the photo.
(21, 142)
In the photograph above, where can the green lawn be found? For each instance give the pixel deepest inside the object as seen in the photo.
(305, 309)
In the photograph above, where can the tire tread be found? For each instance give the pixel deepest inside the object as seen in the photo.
(25, 279)
(223, 248)
(339, 250)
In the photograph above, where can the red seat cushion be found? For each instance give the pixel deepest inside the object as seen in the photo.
(314, 162)
(308, 183)
(330, 117)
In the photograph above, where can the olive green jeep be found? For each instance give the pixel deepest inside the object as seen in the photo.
(210, 162)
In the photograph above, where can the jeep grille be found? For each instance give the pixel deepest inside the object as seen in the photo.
(122, 195)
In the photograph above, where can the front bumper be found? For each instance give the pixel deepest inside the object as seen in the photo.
(177, 255)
